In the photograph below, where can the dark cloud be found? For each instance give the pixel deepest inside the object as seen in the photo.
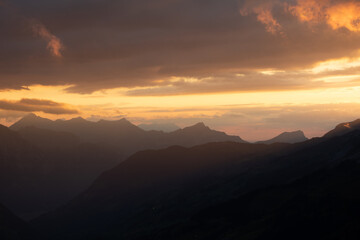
(139, 43)
(37, 105)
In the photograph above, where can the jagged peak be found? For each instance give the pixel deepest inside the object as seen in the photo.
(297, 132)
(123, 120)
(31, 115)
(199, 125)
(78, 119)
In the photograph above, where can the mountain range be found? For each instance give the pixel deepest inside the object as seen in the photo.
(223, 189)
(180, 193)
(124, 136)
(45, 163)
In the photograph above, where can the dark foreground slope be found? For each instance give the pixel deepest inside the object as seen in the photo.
(322, 205)
(152, 186)
(12, 227)
(160, 193)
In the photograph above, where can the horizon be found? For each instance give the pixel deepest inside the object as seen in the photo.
(180, 127)
(253, 69)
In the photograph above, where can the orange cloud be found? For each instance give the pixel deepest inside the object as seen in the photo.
(345, 14)
(264, 15)
(309, 10)
(336, 14)
(37, 105)
(54, 45)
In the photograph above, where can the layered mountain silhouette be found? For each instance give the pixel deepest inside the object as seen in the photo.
(46, 163)
(165, 127)
(287, 137)
(219, 190)
(159, 194)
(125, 137)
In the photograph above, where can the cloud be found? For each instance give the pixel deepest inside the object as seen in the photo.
(37, 105)
(135, 44)
(336, 14)
(263, 10)
(54, 45)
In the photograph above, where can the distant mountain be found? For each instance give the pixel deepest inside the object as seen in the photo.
(165, 127)
(287, 137)
(42, 169)
(12, 227)
(343, 128)
(125, 137)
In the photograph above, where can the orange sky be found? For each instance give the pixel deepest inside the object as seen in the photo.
(250, 68)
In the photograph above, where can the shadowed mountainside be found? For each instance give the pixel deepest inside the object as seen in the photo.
(155, 193)
(12, 227)
(343, 128)
(322, 205)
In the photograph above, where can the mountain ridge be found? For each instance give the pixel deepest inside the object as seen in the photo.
(287, 137)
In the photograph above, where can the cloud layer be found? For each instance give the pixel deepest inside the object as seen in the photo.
(37, 105)
(146, 44)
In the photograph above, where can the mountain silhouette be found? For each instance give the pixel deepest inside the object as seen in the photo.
(154, 193)
(124, 136)
(287, 137)
(343, 128)
(62, 158)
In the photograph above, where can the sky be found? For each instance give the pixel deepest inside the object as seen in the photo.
(252, 68)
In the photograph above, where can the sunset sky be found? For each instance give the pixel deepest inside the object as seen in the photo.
(253, 68)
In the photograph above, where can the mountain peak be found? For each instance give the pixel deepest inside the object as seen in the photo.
(287, 137)
(199, 125)
(30, 119)
(78, 119)
(30, 115)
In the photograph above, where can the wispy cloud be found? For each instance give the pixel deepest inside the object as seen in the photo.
(37, 105)
(264, 15)
(54, 44)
